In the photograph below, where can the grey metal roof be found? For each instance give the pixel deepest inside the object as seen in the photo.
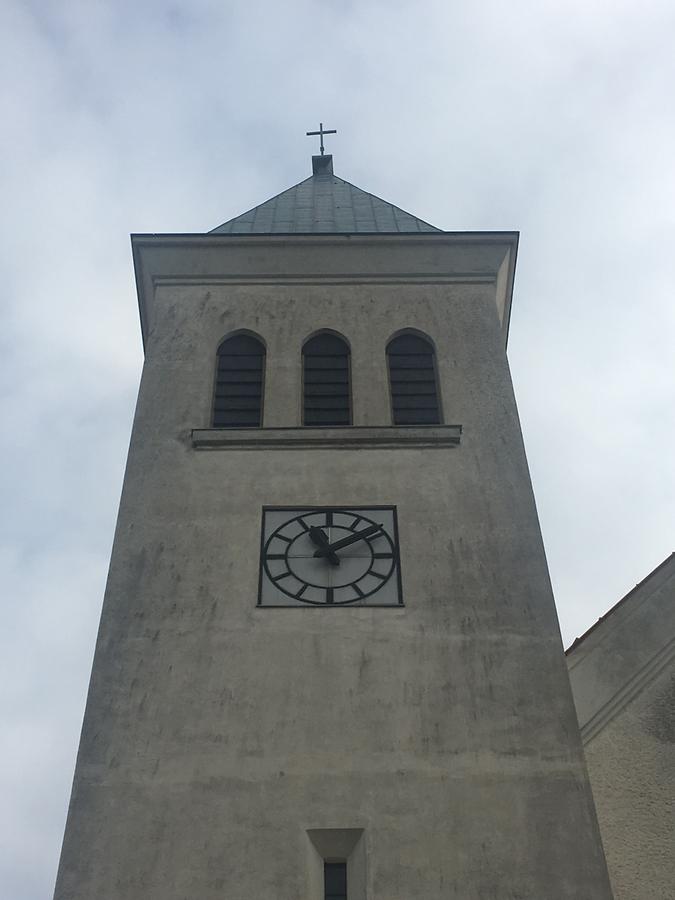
(324, 203)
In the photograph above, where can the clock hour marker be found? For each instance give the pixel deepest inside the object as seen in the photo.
(329, 518)
(355, 523)
(377, 575)
(358, 590)
(330, 595)
(303, 524)
(382, 555)
(276, 556)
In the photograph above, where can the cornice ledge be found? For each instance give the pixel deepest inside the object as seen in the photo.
(628, 692)
(385, 437)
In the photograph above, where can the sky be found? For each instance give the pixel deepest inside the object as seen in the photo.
(551, 118)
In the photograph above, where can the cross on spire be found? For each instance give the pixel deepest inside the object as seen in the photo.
(321, 133)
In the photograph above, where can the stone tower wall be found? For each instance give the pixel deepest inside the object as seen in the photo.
(226, 746)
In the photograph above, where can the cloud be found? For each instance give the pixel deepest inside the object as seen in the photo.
(174, 117)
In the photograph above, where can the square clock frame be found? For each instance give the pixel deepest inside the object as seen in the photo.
(329, 556)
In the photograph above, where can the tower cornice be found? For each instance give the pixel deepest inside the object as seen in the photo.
(487, 257)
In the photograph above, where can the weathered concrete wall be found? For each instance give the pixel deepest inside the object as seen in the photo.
(631, 764)
(217, 733)
(623, 678)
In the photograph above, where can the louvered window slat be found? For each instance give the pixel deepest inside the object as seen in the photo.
(254, 378)
(321, 376)
(412, 378)
(239, 383)
(242, 389)
(326, 389)
(416, 402)
(240, 363)
(419, 388)
(416, 361)
(326, 417)
(329, 389)
(324, 402)
(248, 404)
(326, 362)
(408, 376)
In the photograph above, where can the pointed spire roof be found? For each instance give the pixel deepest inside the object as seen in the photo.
(324, 204)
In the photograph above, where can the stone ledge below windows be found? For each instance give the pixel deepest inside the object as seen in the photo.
(392, 437)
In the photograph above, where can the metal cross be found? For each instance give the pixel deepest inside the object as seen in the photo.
(321, 133)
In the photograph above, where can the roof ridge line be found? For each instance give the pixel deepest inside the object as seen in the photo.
(582, 637)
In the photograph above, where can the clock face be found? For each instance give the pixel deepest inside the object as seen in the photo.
(330, 556)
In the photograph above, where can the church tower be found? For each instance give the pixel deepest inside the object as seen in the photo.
(329, 664)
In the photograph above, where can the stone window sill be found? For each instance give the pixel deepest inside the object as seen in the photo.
(343, 438)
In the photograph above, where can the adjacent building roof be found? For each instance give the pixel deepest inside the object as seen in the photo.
(324, 203)
(626, 650)
(668, 561)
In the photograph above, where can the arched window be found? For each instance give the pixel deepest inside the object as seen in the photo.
(325, 365)
(239, 383)
(412, 378)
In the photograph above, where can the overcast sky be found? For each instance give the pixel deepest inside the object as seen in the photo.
(551, 118)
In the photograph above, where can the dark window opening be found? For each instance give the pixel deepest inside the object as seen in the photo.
(335, 880)
(412, 377)
(325, 362)
(239, 383)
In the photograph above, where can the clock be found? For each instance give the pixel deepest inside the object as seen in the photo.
(329, 556)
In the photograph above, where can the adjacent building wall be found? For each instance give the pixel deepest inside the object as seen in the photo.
(623, 679)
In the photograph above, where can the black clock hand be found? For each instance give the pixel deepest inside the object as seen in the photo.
(319, 537)
(345, 542)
